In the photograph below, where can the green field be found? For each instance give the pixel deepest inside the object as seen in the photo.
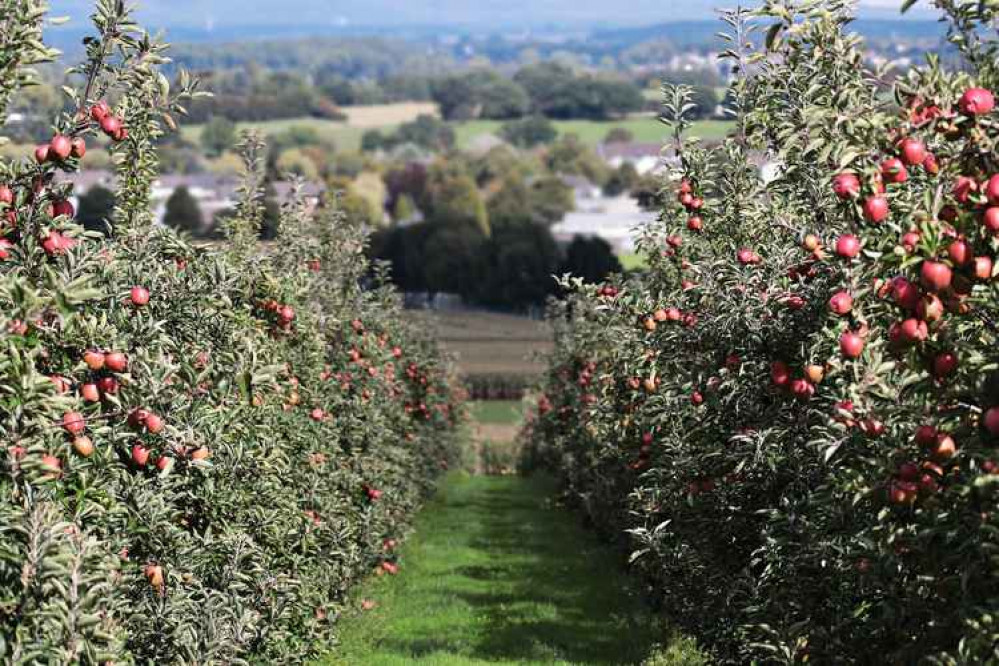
(646, 129)
(346, 138)
(497, 574)
(497, 412)
(386, 117)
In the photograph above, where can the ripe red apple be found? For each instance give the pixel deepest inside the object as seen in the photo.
(111, 125)
(140, 455)
(6, 195)
(908, 471)
(116, 362)
(52, 465)
(935, 276)
(139, 296)
(991, 219)
(982, 268)
(931, 164)
(905, 294)
(815, 373)
(108, 385)
(90, 393)
(79, 147)
(926, 435)
(913, 331)
(60, 147)
(100, 111)
(959, 252)
(74, 423)
(944, 364)
(317, 414)
(976, 102)
(780, 373)
(894, 171)
(930, 308)
(42, 154)
(154, 574)
(695, 223)
(876, 209)
(94, 359)
(841, 303)
(913, 151)
(83, 446)
(154, 423)
(802, 389)
(964, 188)
(991, 421)
(848, 246)
(945, 448)
(846, 185)
(63, 208)
(851, 344)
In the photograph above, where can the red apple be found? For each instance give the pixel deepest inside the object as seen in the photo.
(116, 362)
(894, 171)
(90, 393)
(935, 276)
(982, 268)
(944, 364)
(60, 147)
(913, 151)
(83, 446)
(848, 246)
(876, 209)
(140, 455)
(991, 421)
(94, 359)
(846, 185)
(976, 102)
(74, 423)
(139, 296)
(959, 252)
(851, 344)
(841, 303)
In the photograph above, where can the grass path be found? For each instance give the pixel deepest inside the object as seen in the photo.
(496, 574)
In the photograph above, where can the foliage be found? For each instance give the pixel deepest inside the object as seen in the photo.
(528, 132)
(203, 449)
(183, 212)
(590, 259)
(218, 135)
(556, 91)
(795, 432)
(95, 209)
(479, 93)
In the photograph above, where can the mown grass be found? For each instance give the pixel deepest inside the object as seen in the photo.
(632, 261)
(645, 129)
(497, 574)
(497, 412)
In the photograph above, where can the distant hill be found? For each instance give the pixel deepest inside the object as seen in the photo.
(230, 19)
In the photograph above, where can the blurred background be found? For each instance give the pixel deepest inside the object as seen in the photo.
(490, 145)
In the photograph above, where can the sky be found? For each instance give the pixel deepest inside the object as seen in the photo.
(208, 14)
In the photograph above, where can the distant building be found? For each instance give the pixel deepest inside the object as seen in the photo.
(214, 193)
(645, 157)
(613, 219)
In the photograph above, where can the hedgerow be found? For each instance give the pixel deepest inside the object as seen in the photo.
(203, 448)
(793, 416)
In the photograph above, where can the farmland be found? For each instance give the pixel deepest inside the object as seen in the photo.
(492, 343)
(346, 135)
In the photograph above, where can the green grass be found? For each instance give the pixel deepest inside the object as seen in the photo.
(344, 137)
(632, 261)
(498, 412)
(496, 574)
(646, 129)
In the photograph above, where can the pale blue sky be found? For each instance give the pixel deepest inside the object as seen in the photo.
(208, 13)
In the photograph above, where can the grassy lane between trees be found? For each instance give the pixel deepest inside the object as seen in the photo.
(497, 573)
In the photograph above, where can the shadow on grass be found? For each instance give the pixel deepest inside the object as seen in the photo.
(497, 574)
